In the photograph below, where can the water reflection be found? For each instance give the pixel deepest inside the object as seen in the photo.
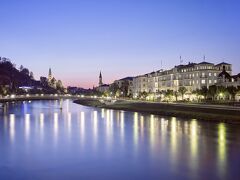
(135, 128)
(41, 124)
(41, 121)
(55, 126)
(95, 127)
(222, 148)
(152, 131)
(69, 122)
(102, 113)
(27, 126)
(142, 126)
(173, 140)
(181, 148)
(12, 127)
(82, 127)
(109, 127)
(122, 125)
(194, 144)
(164, 124)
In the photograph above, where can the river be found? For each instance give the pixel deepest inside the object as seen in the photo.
(38, 140)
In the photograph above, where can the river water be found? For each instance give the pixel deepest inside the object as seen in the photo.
(38, 140)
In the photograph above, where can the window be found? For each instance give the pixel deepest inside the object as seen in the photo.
(210, 74)
(203, 74)
(210, 81)
(203, 81)
(215, 74)
(215, 81)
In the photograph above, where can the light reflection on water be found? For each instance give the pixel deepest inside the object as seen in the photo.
(128, 144)
(55, 126)
(27, 126)
(12, 127)
(194, 144)
(222, 148)
(82, 127)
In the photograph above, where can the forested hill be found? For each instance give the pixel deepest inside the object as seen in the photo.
(10, 75)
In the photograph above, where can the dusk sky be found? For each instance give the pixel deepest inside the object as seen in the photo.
(78, 38)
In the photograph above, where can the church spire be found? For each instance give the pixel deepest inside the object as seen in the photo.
(49, 74)
(100, 79)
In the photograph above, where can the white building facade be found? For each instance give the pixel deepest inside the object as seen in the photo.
(192, 76)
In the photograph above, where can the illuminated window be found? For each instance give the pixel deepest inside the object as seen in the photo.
(203, 81)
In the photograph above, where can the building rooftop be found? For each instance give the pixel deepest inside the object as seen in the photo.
(226, 74)
(104, 85)
(126, 78)
(204, 62)
(186, 65)
(223, 63)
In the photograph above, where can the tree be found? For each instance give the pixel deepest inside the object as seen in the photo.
(197, 92)
(59, 85)
(25, 71)
(176, 95)
(212, 91)
(124, 88)
(143, 94)
(118, 93)
(21, 68)
(182, 91)
(232, 91)
(113, 89)
(4, 90)
(221, 92)
(204, 92)
(169, 94)
(31, 75)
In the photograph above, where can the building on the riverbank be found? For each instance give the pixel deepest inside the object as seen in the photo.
(126, 85)
(101, 86)
(226, 80)
(52, 83)
(192, 76)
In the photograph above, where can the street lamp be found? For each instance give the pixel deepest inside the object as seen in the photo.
(221, 95)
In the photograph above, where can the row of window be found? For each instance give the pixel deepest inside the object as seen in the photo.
(189, 83)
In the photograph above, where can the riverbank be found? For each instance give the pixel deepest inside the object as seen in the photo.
(36, 97)
(194, 111)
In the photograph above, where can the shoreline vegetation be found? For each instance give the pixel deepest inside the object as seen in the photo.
(214, 113)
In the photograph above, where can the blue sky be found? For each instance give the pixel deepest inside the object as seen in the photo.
(78, 38)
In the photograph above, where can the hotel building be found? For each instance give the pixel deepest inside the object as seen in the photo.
(192, 76)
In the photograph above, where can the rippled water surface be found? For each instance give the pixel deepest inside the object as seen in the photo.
(40, 141)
